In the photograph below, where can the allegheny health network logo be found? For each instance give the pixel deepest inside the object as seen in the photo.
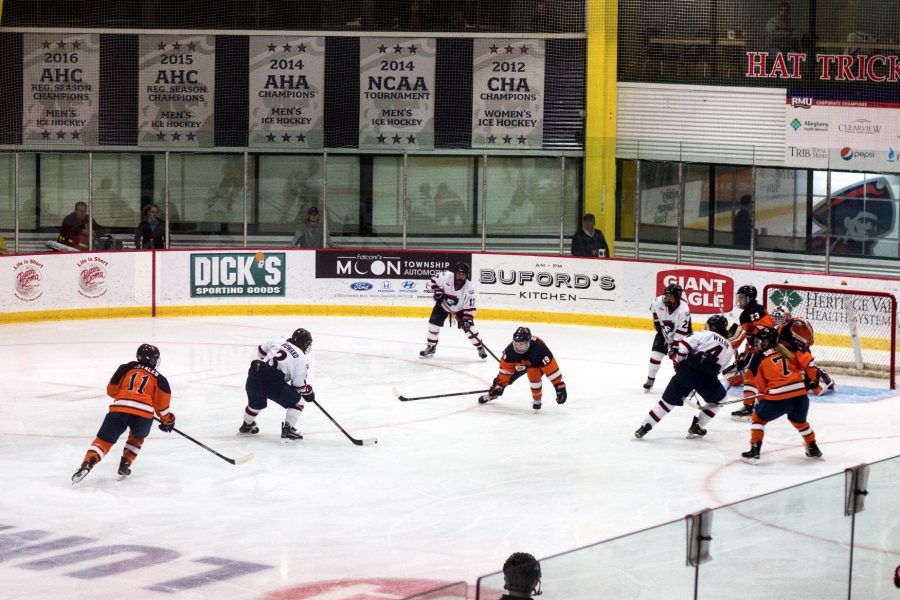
(796, 124)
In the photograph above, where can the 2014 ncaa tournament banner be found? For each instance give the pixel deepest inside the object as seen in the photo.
(177, 84)
(287, 92)
(60, 88)
(508, 94)
(396, 93)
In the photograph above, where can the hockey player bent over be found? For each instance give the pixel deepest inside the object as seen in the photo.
(698, 360)
(454, 296)
(279, 374)
(672, 321)
(796, 333)
(782, 377)
(527, 355)
(753, 318)
(138, 391)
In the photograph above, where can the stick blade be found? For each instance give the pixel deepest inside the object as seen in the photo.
(370, 441)
(243, 459)
(397, 393)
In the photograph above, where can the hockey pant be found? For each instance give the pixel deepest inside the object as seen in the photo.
(267, 383)
(112, 428)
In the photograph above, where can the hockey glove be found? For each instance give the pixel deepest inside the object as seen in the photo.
(561, 394)
(438, 296)
(496, 389)
(307, 393)
(167, 422)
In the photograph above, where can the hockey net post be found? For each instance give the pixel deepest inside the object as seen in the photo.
(855, 330)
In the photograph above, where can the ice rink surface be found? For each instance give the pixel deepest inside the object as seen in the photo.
(450, 490)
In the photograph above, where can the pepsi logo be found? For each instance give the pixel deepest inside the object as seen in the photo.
(847, 153)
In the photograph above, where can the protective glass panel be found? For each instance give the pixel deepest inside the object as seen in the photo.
(454, 591)
(289, 186)
(660, 197)
(876, 543)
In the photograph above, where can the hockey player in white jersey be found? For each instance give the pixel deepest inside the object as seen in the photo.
(279, 374)
(698, 359)
(454, 297)
(672, 321)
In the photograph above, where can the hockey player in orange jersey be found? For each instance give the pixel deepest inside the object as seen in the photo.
(753, 318)
(782, 377)
(797, 333)
(139, 392)
(528, 355)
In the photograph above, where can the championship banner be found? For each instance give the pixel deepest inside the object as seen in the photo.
(842, 134)
(396, 93)
(177, 83)
(508, 94)
(287, 92)
(60, 88)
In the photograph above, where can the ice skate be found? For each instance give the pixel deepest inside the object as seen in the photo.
(743, 413)
(82, 471)
(642, 430)
(429, 351)
(124, 469)
(482, 353)
(484, 398)
(289, 434)
(812, 451)
(536, 405)
(695, 431)
(751, 457)
(248, 428)
(648, 385)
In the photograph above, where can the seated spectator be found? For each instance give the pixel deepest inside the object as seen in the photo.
(521, 576)
(588, 241)
(151, 231)
(74, 229)
(309, 233)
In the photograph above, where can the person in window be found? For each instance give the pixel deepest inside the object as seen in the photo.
(741, 226)
(151, 231)
(588, 241)
(781, 35)
(74, 229)
(309, 233)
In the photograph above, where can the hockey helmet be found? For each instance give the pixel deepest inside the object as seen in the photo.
(462, 268)
(522, 340)
(148, 355)
(675, 291)
(765, 338)
(778, 315)
(302, 339)
(718, 324)
(749, 295)
(802, 331)
(522, 574)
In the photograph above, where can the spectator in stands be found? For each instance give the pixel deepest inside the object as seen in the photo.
(741, 227)
(309, 234)
(151, 231)
(74, 229)
(781, 35)
(588, 241)
(521, 576)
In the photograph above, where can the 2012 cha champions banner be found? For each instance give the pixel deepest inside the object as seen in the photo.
(396, 93)
(287, 92)
(177, 86)
(508, 93)
(60, 89)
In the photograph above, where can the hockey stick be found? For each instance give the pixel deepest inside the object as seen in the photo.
(363, 442)
(693, 403)
(235, 461)
(403, 398)
(483, 345)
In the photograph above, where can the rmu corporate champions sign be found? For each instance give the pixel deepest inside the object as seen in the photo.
(242, 274)
(177, 84)
(61, 89)
(287, 92)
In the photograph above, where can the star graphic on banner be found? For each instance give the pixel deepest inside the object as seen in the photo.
(191, 136)
(413, 48)
(396, 139)
(60, 44)
(381, 138)
(382, 49)
(76, 44)
(285, 138)
(522, 139)
(161, 46)
(301, 48)
(75, 135)
(270, 138)
(506, 139)
(509, 49)
(45, 134)
(398, 49)
(160, 136)
(494, 48)
(301, 138)
(191, 46)
(411, 139)
(523, 50)
(176, 46)
(45, 44)
(176, 136)
(271, 47)
(491, 139)
(60, 135)
(287, 47)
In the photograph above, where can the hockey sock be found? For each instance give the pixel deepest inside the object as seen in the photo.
(250, 415)
(706, 415)
(658, 412)
(292, 416)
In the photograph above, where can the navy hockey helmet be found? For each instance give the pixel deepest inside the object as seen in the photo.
(765, 339)
(522, 340)
(675, 291)
(718, 324)
(148, 355)
(462, 268)
(749, 294)
(522, 574)
(302, 339)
